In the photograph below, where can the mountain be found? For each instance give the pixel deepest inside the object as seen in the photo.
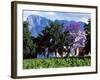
(38, 23)
(82, 24)
(73, 26)
(62, 22)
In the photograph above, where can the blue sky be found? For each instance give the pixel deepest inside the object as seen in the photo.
(69, 16)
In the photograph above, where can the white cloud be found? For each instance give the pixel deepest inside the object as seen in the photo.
(51, 13)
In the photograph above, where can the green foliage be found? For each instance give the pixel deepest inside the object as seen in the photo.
(88, 26)
(56, 34)
(28, 46)
(56, 31)
(88, 35)
(56, 62)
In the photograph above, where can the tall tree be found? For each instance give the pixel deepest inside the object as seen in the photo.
(28, 46)
(87, 29)
(52, 38)
(59, 36)
(77, 36)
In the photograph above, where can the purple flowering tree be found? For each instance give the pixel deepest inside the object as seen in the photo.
(77, 35)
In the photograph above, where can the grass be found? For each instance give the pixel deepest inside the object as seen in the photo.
(56, 62)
